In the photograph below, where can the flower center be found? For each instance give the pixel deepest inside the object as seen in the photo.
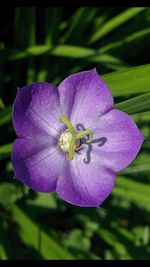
(69, 140)
(65, 140)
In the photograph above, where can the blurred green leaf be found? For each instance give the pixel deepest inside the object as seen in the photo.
(77, 241)
(5, 115)
(78, 23)
(9, 193)
(126, 40)
(141, 235)
(43, 200)
(30, 17)
(31, 233)
(2, 106)
(134, 191)
(3, 240)
(52, 19)
(115, 22)
(3, 255)
(134, 186)
(5, 149)
(111, 239)
(129, 81)
(70, 51)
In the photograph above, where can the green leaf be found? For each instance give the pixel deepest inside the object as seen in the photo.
(9, 193)
(135, 105)
(88, 54)
(78, 23)
(5, 116)
(124, 42)
(113, 241)
(43, 200)
(137, 169)
(68, 51)
(32, 235)
(3, 239)
(3, 254)
(5, 149)
(31, 40)
(2, 106)
(115, 22)
(135, 186)
(52, 18)
(129, 81)
(78, 241)
(133, 191)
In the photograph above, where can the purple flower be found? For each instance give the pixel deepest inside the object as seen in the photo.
(71, 140)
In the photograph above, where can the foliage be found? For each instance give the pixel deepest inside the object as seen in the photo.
(48, 44)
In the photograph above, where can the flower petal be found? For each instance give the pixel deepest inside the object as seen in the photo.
(37, 163)
(123, 140)
(36, 109)
(84, 184)
(88, 97)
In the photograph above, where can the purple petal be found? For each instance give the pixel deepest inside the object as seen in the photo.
(36, 109)
(124, 140)
(84, 184)
(85, 96)
(37, 163)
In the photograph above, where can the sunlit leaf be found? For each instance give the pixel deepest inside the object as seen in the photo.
(130, 81)
(135, 105)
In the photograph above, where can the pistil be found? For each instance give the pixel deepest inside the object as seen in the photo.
(64, 140)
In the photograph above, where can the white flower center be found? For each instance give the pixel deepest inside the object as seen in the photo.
(65, 140)
(70, 141)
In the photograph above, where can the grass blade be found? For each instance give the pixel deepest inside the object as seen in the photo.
(51, 26)
(135, 105)
(126, 41)
(3, 240)
(5, 149)
(35, 237)
(79, 22)
(133, 191)
(68, 51)
(130, 81)
(51, 36)
(5, 116)
(115, 22)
